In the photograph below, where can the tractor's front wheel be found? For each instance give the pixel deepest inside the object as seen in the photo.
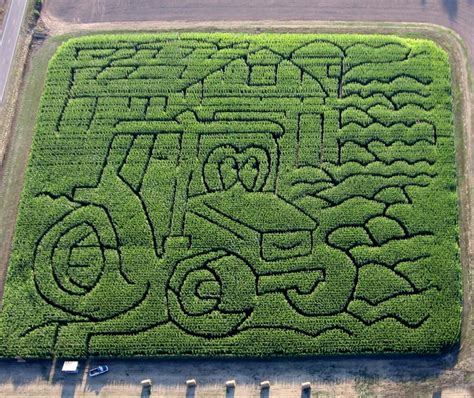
(211, 294)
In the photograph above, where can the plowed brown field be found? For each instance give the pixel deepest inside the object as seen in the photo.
(455, 14)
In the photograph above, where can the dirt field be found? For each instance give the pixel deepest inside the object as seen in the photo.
(388, 377)
(455, 14)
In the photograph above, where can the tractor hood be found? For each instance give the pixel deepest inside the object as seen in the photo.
(261, 211)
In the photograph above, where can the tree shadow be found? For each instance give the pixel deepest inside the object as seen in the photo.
(450, 7)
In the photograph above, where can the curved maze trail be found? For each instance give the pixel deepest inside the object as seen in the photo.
(236, 194)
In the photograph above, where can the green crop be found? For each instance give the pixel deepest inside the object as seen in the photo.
(227, 194)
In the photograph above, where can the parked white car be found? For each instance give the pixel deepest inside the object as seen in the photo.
(99, 370)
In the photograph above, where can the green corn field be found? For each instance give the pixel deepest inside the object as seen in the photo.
(238, 195)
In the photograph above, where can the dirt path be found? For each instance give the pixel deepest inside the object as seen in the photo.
(328, 377)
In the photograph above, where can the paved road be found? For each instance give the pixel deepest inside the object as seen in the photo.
(455, 14)
(9, 39)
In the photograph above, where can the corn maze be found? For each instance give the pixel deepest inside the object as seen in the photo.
(231, 194)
